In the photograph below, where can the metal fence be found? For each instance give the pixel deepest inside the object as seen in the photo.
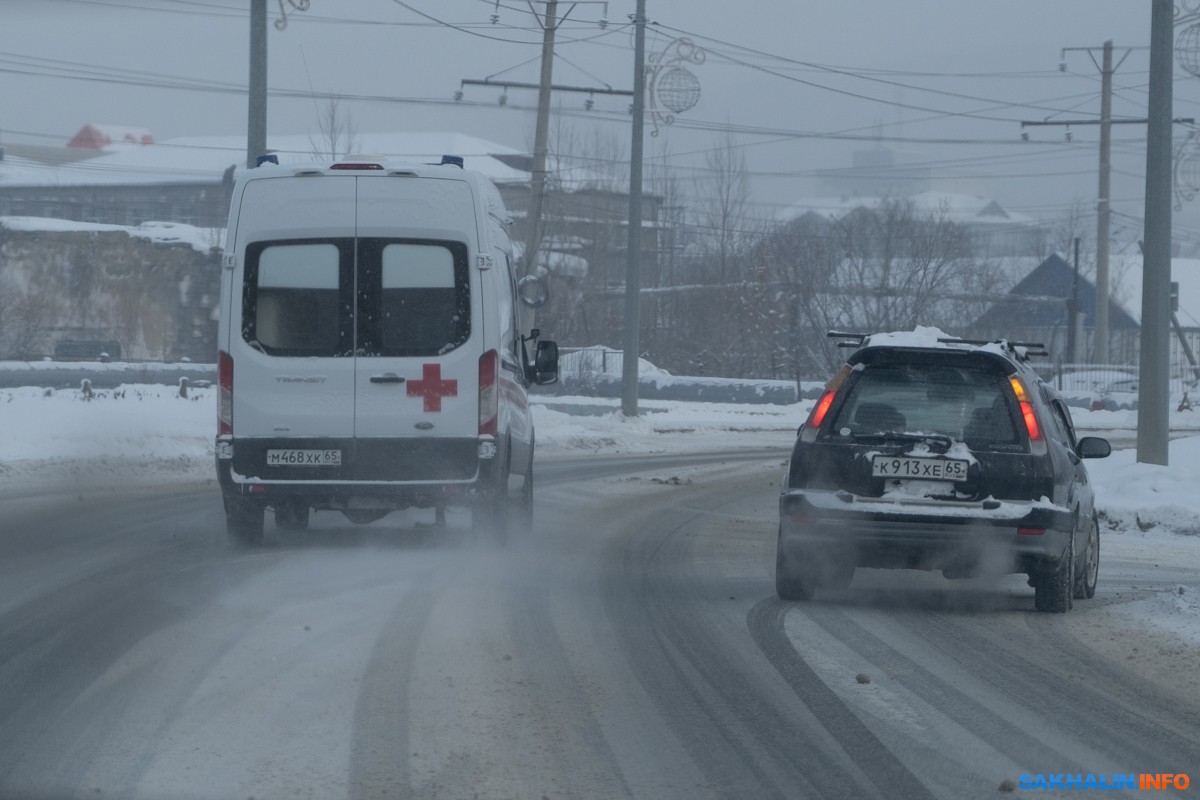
(1115, 386)
(597, 371)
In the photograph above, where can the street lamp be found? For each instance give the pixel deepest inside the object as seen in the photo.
(672, 85)
(299, 5)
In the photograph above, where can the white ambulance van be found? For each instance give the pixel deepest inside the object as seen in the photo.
(371, 355)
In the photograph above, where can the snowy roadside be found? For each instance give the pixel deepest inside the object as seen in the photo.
(148, 435)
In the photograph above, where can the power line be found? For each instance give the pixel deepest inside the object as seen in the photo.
(856, 74)
(463, 28)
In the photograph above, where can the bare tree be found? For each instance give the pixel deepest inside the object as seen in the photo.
(659, 314)
(884, 268)
(336, 136)
(804, 258)
(1077, 221)
(26, 316)
(595, 158)
(723, 205)
(714, 324)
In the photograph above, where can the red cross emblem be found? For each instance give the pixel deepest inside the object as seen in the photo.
(431, 387)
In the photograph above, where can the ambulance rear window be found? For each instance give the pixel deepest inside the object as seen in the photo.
(370, 296)
(293, 301)
(417, 298)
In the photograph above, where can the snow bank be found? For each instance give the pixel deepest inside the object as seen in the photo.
(1142, 497)
(202, 240)
(1175, 611)
(129, 436)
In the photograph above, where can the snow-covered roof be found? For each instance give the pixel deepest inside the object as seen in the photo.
(962, 208)
(204, 159)
(101, 136)
(17, 171)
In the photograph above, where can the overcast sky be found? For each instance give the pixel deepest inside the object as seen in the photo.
(800, 85)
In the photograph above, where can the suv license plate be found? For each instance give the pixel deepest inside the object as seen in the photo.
(930, 469)
(304, 458)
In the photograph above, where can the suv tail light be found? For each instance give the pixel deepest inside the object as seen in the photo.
(489, 398)
(821, 409)
(1027, 412)
(224, 394)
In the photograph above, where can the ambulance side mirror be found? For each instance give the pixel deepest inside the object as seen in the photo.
(545, 363)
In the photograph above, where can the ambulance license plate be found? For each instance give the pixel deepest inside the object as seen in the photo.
(304, 458)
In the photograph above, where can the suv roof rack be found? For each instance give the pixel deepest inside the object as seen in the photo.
(856, 338)
(1018, 350)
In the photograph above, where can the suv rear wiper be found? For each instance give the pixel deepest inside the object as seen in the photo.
(938, 443)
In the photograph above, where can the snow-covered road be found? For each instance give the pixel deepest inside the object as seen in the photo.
(630, 645)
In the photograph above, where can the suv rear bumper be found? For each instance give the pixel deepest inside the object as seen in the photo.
(917, 534)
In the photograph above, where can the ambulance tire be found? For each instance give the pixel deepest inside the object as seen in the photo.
(489, 513)
(244, 520)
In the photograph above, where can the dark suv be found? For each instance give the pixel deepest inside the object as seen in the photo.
(929, 452)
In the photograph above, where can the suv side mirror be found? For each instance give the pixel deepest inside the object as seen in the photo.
(545, 363)
(1094, 447)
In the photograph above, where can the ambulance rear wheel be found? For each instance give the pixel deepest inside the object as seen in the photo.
(522, 503)
(244, 520)
(490, 511)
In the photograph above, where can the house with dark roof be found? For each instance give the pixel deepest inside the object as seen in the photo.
(1037, 309)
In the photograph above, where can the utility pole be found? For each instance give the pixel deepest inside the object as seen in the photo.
(541, 134)
(256, 128)
(1153, 432)
(256, 118)
(1100, 347)
(1073, 315)
(1100, 350)
(1103, 205)
(541, 137)
(629, 365)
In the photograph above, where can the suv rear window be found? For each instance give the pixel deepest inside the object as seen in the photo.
(966, 403)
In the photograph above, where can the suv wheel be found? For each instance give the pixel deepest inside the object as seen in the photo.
(1085, 581)
(291, 516)
(838, 575)
(244, 520)
(793, 581)
(1052, 589)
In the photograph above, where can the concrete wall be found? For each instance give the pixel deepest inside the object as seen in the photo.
(155, 299)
